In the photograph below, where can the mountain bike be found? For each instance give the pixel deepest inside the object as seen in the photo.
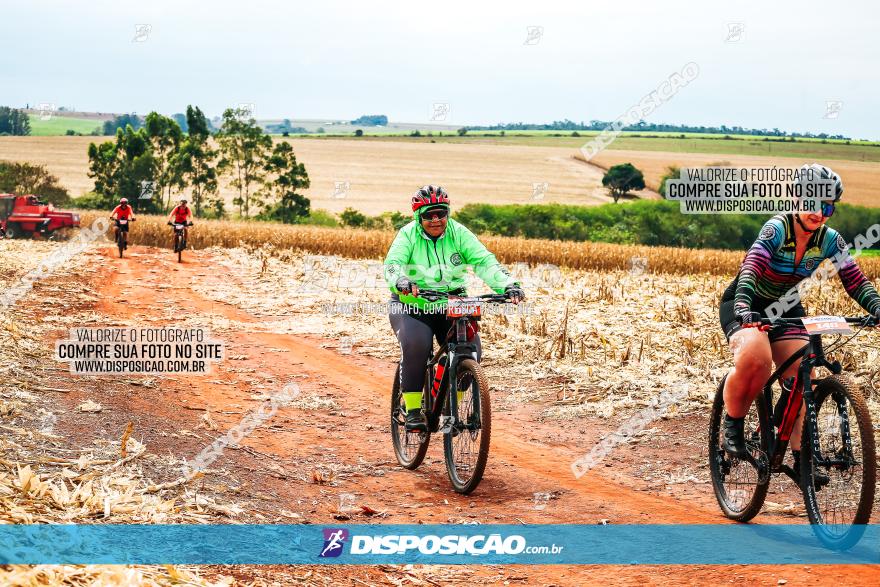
(180, 238)
(122, 235)
(464, 418)
(837, 444)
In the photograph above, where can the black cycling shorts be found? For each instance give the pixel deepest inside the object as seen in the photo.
(730, 323)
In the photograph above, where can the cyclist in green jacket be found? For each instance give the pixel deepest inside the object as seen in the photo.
(433, 252)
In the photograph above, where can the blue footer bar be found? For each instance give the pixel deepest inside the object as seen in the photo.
(561, 544)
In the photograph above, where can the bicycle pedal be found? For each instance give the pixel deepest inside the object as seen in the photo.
(446, 425)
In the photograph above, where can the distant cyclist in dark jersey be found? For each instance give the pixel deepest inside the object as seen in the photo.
(788, 250)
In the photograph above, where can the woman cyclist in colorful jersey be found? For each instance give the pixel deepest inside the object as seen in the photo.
(433, 252)
(788, 250)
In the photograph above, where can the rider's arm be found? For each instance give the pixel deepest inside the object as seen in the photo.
(398, 258)
(114, 212)
(485, 265)
(854, 281)
(756, 262)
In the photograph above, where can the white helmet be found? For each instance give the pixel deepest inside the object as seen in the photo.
(811, 173)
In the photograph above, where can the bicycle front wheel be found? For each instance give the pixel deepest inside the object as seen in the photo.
(466, 446)
(839, 506)
(410, 446)
(740, 487)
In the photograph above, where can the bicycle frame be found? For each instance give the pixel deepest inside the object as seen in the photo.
(441, 373)
(812, 355)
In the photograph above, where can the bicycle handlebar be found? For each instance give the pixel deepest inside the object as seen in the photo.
(436, 296)
(867, 321)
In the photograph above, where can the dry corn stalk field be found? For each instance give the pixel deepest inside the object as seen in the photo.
(373, 244)
(576, 334)
(41, 479)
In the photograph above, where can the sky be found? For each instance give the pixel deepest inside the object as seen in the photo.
(761, 64)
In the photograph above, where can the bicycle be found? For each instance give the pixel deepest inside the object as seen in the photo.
(466, 422)
(122, 235)
(179, 238)
(839, 510)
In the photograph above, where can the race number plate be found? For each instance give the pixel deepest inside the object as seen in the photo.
(826, 325)
(123, 222)
(456, 308)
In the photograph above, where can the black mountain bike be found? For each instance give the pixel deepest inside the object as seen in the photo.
(122, 235)
(464, 418)
(837, 442)
(180, 238)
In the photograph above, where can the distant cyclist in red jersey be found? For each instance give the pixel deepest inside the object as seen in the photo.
(182, 214)
(122, 212)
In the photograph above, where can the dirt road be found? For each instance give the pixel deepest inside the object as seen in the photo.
(328, 457)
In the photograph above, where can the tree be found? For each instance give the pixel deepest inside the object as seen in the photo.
(121, 121)
(14, 122)
(244, 148)
(351, 217)
(165, 137)
(462, 131)
(283, 177)
(119, 167)
(193, 162)
(358, 133)
(27, 178)
(620, 179)
(672, 172)
(180, 119)
(371, 120)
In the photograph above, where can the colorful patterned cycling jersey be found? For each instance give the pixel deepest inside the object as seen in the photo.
(768, 271)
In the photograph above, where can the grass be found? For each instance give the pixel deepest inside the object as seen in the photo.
(59, 125)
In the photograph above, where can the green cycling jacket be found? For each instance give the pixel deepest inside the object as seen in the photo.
(442, 264)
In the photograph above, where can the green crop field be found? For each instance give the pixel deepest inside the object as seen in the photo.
(59, 125)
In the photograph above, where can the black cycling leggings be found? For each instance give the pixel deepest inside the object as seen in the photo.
(415, 332)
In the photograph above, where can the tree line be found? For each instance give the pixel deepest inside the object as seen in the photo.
(600, 125)
(157, 162)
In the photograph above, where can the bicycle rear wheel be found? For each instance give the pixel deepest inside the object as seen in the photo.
(466, 447)
(840, 509)
(410, 446)
(740, 487)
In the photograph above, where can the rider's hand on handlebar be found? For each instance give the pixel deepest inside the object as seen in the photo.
(752, 320)
(515, 293)
(406, 286)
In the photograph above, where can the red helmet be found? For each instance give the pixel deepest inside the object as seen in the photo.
(430, 195)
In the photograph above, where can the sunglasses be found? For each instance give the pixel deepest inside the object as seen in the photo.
(435, 214)
(827, 209)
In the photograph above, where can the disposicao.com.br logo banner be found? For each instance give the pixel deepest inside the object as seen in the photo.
(567, 544)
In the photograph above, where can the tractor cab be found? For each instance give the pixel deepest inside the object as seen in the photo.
(6, 205)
